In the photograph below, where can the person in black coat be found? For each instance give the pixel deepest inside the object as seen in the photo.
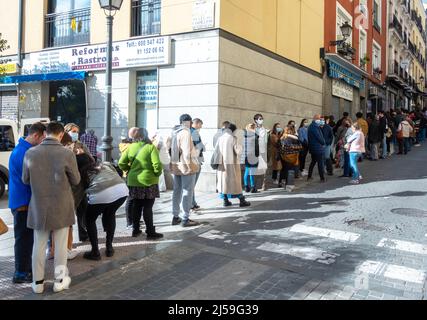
(375, 137)
(328, 134)
(316, 145)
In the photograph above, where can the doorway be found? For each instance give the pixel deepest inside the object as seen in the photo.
(67, 102)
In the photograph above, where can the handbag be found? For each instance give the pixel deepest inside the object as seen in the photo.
(400, 134)
(3, 227)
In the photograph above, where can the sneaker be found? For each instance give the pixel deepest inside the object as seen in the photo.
(354, 182)
(276, 182)
(304, 174)
(22, 277)
(176, 221)
(63, 284)
(360, 178)
(129, 227)
(72, 254)
(190, 223)
(38, 287)
(91, 255)
(290, 188)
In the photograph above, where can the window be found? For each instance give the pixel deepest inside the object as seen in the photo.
(342, 17)
(377, 15)
(376, 59)
(67, 22)
(363, 50)
(145, 17)
(7, 139)
(146, 100)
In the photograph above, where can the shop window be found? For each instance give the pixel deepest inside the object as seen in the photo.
(146, 100)
(146, 17)
(7, 139)
(67, 22)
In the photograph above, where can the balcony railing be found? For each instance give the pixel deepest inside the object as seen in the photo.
(397, 26)
(68, 28)
(418, 21)
(146, 17)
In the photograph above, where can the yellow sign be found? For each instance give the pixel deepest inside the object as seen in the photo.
(8, 68)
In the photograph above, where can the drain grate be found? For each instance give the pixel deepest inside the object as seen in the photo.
(410, 212)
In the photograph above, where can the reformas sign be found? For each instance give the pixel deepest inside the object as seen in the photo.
(126, 54)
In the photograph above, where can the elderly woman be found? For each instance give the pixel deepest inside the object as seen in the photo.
(226, 160)
(142, 163)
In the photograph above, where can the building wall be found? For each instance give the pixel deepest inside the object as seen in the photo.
(9, 26)
(292, 28)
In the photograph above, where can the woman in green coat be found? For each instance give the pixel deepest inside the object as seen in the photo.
(142, 163)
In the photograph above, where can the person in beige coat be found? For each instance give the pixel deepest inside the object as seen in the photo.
(227, 156)
(184, 166)
(51, 170)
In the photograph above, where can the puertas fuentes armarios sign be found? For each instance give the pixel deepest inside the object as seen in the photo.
(126, 54)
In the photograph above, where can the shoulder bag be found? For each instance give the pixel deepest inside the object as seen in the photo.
(3, 227)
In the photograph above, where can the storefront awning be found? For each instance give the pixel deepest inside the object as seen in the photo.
(339, 68)
(78, 75)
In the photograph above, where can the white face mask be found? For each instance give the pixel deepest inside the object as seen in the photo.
(74, 136)
(260, 121)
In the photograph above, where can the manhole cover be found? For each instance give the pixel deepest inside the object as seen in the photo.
(410, 212)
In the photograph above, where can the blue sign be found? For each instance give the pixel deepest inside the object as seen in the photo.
(337, 71)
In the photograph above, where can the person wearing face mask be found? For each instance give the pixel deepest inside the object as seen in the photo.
(184, 166)
(275, 135)
(198, 144)
(262, 133)
(375, 137)
(316, 144)
(303, 138)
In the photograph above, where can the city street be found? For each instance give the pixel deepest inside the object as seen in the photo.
(323, 241)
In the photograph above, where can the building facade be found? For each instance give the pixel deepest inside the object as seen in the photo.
(406, 55)
(354, 63)
(214, 59)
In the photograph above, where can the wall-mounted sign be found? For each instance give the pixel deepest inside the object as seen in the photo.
(126, 54)
(8, 68)
(342, 90)
(203, 14)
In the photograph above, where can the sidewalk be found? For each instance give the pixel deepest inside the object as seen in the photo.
(130, 249)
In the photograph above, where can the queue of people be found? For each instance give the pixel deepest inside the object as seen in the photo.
(55, 176)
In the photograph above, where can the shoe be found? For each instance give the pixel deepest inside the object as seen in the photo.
(22, 277)
(244, 203)
(195, 208)
(72, 254)
(129, 227)
(136, 233)
(91, 255)
(304, 174)
(109, 251)
(276, 182)
(360, 178)
(154, 236)
(254, 190)
(247, 189)
(38, 287)
(227, 203)
(176, 221)
(354, 182)
(290, 188)
(190, 223)
(63, 284)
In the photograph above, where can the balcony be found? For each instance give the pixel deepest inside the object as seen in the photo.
(418, 21)
(406, 4)
(68, 28)
(396, 26)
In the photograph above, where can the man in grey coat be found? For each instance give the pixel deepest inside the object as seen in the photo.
(51, 170)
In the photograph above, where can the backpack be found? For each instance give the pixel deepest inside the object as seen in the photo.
(174, 150)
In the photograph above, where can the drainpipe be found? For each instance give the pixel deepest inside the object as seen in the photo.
(20, 27)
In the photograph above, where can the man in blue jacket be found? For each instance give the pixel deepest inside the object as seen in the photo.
(19, 199)
(316, 145)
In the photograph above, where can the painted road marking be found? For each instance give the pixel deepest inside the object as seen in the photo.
(327, 233)
(306, 253)
(214, 234)
(393, 271)
(400, 245)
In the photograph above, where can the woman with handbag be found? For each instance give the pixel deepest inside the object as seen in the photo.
(290, 149)
(276, 161)
(355, 147)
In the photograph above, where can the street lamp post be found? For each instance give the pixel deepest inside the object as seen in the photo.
(110, 7)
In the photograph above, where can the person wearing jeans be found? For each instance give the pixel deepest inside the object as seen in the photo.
(197, 141)
(356, 147)
(316, 143)
(19, 200)
(251, 158)
(184, 166)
